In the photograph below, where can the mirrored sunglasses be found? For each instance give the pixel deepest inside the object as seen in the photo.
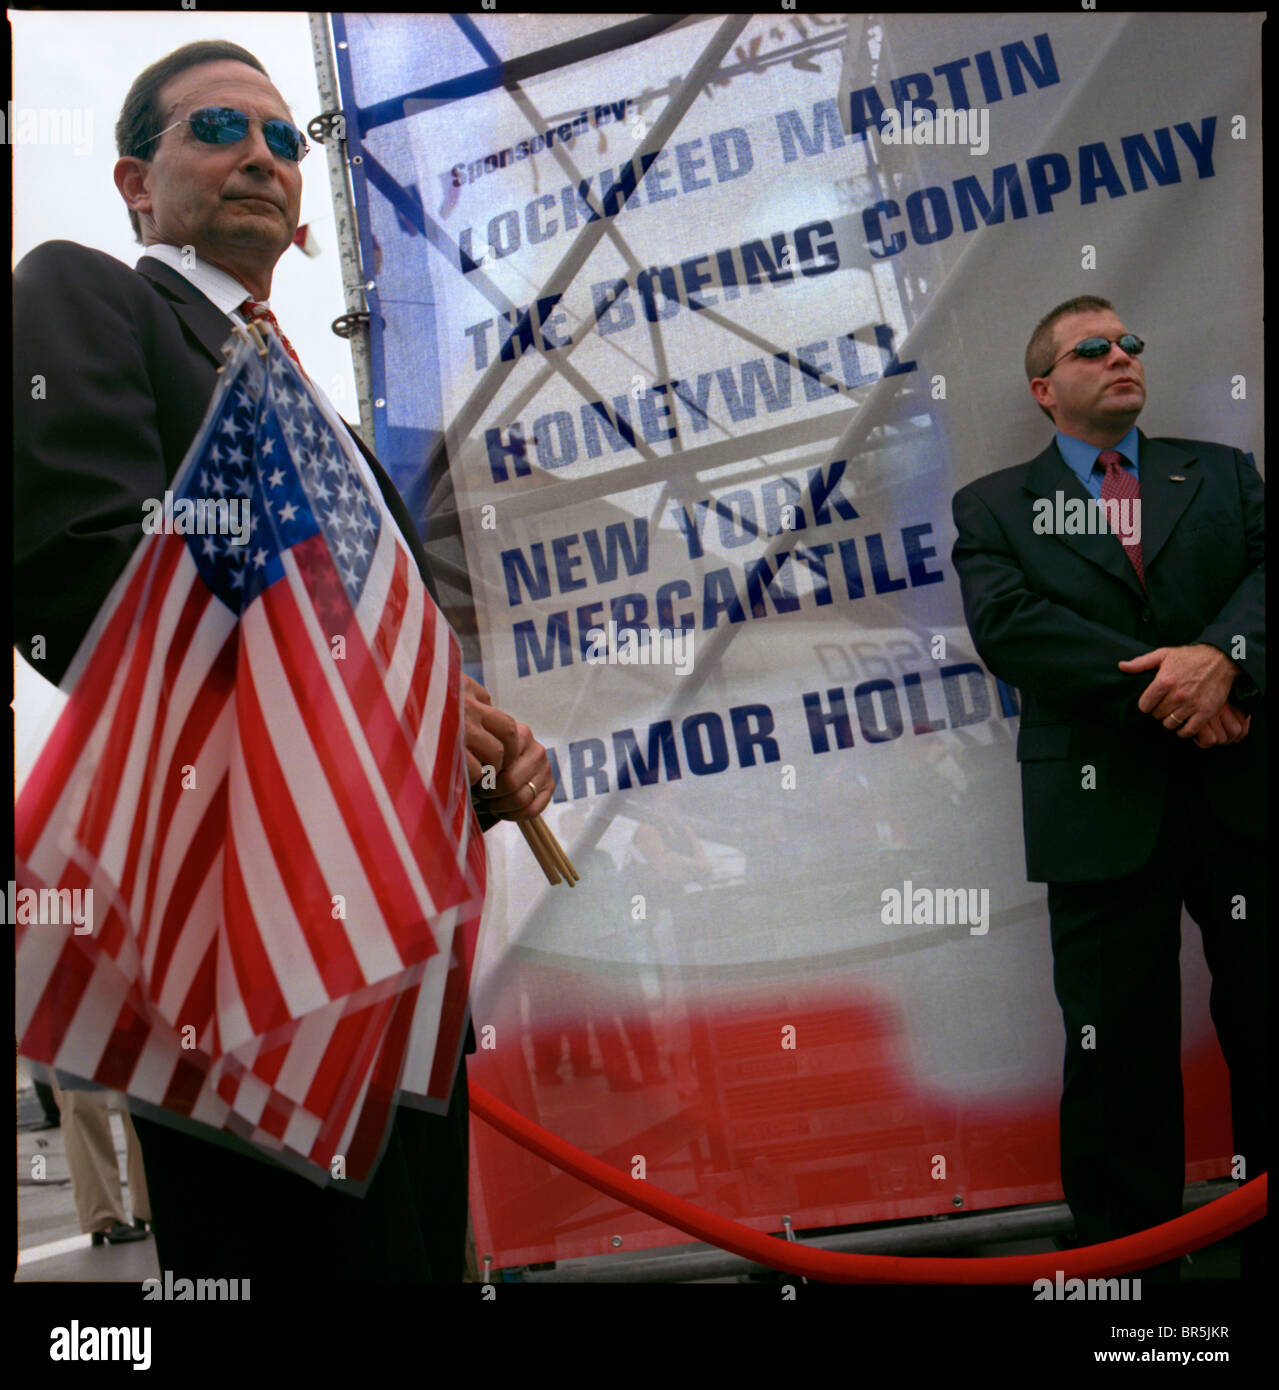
(223, 125)
(1099, 347)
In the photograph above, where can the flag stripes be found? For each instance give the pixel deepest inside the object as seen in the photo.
(276, 826)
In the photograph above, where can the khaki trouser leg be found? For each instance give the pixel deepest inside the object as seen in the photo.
(138, 1199)
(91, 1157)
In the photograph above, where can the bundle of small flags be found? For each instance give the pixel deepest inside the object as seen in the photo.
(260, 776)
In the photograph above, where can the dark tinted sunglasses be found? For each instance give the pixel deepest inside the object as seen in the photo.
(1100, 347)
(223, 125)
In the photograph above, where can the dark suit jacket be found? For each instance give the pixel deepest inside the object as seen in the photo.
(1053, 615)
(123, 364)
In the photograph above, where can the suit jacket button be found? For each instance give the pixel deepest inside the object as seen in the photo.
(1145, 615)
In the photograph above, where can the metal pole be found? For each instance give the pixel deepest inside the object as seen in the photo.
(967, 1232)
(344, 213)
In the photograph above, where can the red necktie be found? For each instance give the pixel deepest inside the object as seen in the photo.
(1119, 483)
(254, 311)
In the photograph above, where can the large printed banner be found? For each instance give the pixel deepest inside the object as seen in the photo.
(685, 334)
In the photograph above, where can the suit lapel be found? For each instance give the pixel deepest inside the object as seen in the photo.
(1163, 503)
(1049, 475)
(208, 325)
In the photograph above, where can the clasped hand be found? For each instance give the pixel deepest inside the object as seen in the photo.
(509, 771)
(1188, 696)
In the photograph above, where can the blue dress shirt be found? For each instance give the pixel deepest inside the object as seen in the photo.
(1081, 459)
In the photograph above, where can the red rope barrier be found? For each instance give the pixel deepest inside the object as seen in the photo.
(1192, 1231)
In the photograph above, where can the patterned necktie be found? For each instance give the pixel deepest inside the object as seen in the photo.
(1119, 483)
(254, 311)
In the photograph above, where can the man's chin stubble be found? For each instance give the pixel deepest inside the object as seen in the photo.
(261, 234)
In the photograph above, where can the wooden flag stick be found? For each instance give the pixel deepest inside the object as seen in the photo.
(555, 850)
(542, 856)
(256, 336)
(564, 862)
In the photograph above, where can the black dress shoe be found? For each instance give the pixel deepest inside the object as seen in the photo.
(140, 1225)
(117, 1233)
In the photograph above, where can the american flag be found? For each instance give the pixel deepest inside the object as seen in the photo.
(260, 775)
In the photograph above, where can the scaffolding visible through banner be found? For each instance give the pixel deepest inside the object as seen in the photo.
(740, 417)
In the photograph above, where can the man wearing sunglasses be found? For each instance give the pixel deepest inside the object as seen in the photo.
(1142, 749)
(209, 170)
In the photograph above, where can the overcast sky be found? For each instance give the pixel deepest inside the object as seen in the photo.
(86, 62)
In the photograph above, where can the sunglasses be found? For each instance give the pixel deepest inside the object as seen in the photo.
(1100, 347)
(222, 125)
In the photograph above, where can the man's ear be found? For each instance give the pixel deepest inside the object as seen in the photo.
(131, 178)
(1041, 389)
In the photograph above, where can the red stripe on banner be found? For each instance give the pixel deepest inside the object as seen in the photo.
(260, 991)
(377, 1112)
(444, 1062)
(65, 745)
(367, 680)
(418, 815)
(419, 690)
(295, 862)
(269, 1061)
(206, 709)
(193, 610)
(199, 1008)
(346, 1055)
(197, 862)
(372, 1038)
(229, 1083)
(445, 775)
(392, 736)
(58, 1001)
(390, 1059)
(228, 1087)
(266, 1064)
(101, 804)
(184, 1086)
(349, 785)
(112, 931)
(387, 636)
(390, 1064)
(388, 742)
(457, 984)
(128, 1037)
(453, 1010)
(276, 1114)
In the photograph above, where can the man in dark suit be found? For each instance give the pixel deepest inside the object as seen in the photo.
(1141, 664)
(114, 369)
